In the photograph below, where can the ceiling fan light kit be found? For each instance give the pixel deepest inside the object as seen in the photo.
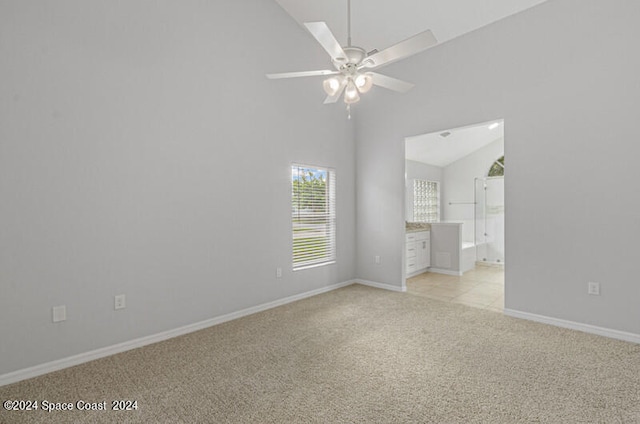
(359, 83)
(364, 82)
(351, 93)
(353, 65)
(332, 85)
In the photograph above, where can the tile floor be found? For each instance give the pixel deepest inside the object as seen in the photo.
(482, 287)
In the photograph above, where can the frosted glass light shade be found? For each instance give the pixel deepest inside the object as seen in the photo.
(351, 93)
(331, 86)
(364, 82)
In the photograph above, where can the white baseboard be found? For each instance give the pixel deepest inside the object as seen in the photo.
(445, 271)
(586, 328)
(71, 361)
(380, 285)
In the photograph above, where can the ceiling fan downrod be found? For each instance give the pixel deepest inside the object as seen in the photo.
(348, 23)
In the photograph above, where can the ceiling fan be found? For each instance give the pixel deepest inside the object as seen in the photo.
(353, 65)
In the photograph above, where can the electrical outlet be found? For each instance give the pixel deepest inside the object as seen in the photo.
(120, 302)
(59, 313)
(278, 272)
(594, 288)
(377, 259)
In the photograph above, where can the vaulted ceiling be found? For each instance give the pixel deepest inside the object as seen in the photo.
(377, 24)
(445, 147)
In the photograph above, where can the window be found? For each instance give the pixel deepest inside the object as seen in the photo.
(497, 169)
(426, 201)
(313, 218)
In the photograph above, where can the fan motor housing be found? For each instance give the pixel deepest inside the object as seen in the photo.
(355, 55)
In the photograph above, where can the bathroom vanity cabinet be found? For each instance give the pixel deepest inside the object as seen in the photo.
(418, 252)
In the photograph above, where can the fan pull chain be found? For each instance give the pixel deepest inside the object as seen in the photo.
(349, 112)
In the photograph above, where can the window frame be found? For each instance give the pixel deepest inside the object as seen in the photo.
(325, 256)
(497, 168)
(415, 201)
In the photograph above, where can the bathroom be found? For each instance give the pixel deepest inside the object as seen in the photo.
(454, 183)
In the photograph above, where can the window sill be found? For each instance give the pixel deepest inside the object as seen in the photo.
(302, 268)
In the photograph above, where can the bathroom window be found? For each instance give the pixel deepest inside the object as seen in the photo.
(497, 169)
(313, 216)
(426, 201)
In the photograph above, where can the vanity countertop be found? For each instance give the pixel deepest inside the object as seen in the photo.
(414, 227)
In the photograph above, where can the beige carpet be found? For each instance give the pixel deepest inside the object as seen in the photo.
(356, 355)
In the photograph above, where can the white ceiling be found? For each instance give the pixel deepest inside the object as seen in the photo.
(433, 149)
(377, 24)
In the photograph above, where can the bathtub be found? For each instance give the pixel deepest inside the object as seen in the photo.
(467, 256)
(468, 245)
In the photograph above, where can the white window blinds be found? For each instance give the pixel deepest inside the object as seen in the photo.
(426, 201)
(313, 206)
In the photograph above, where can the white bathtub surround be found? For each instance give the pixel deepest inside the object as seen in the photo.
(446, 248)
(449, 254)
(468, 256)
(467, 244)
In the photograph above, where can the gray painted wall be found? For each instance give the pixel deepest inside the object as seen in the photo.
(564, 77)
(142, 151)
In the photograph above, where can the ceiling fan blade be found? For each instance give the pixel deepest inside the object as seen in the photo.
(391, 83)
(403, 49)
(331, 99)
(325, 37)
(301, 74)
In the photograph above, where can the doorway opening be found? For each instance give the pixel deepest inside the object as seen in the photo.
(454, 207)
